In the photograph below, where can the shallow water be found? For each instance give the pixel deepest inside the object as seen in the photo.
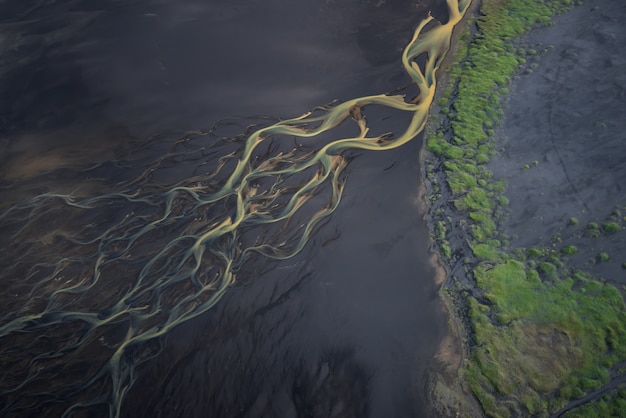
(158, 263)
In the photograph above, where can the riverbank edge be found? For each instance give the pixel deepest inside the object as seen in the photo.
(446, 391)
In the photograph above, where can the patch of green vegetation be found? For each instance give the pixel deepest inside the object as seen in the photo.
(533, 276)
(543, 334)
(476, 198)
(592, 230)
(453, 152)
(485, 224)
(482, 158)
(545, 341)
(503, 201)
(609, 405)
(603, 257)
(487, 252)
(569, 250)
(535, 253)
(460, 182)
(445, 250)
(440, 228)
(556, 260)
(533, 164)
(497, 186)
(548, 270)
(611, 227)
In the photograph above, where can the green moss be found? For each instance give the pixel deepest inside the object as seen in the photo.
(555, 339)
(545, 334)
(611, 227)
(485, 223)
(498, 186)
(609, 405)
(572, 221)
(482, 158)
(460, 182)
(440, 229)
(569, 250)
(548, 270)
(533, 276)
(453, 152)
(602, 257)
(556, 260)
(446, 252)
(535, 252)
(437, 145)
(487, 252)
(592, 230)
(469, 168)
(475, 199)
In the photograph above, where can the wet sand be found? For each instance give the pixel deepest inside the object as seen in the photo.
(326, 329)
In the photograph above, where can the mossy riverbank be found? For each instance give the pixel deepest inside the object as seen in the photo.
(538, 332)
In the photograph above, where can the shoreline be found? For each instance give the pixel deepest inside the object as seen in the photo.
(471, 248)
(447, 394)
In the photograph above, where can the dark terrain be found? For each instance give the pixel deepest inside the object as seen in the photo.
(563, 146)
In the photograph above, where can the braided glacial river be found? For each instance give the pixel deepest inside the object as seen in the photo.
(237, 265)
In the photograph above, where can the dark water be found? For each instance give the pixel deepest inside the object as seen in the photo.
(104, 96)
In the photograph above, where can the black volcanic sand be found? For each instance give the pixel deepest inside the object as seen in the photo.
(350, 326)
(565, 121)
(346, 328)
